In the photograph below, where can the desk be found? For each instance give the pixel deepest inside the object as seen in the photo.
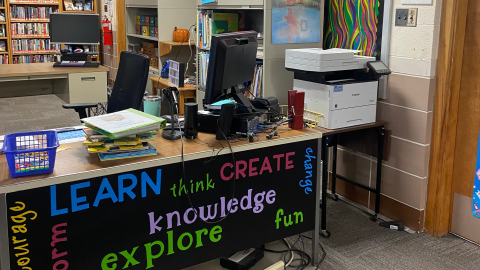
(72, 85)
(188, 91)
(138, 206)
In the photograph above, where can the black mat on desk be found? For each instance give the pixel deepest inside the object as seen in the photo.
(21, 114)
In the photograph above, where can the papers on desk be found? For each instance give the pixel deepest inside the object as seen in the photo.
(124, 123)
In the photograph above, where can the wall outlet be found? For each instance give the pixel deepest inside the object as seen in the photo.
(406, 17)
(401, 17)
(412, 17)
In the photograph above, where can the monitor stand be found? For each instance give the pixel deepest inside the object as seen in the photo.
(245, 106)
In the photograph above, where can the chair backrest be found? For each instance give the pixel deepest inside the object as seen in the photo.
(130, 83)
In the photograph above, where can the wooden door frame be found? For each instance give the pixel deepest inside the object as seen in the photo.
(445, 116)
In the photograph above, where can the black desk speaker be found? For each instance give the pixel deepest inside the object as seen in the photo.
(224, 123)
(191, 120)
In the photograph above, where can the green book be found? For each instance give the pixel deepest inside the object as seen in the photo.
(219, 27)
(124, 123)
(231, 18)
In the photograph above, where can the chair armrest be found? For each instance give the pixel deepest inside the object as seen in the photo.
(79, 106)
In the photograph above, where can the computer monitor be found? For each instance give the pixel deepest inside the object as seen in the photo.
(74, 29)
(232, 63)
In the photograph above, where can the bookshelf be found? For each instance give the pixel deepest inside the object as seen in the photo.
(24, 16)
(276, 80)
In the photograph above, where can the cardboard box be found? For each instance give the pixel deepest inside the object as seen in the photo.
(152, 21)
(149, 48)
(154, 62)
(138, 29)
(139, 20)
(147, 20)
(156, 32)
(145, 30)
(142, 20)
(152, 31)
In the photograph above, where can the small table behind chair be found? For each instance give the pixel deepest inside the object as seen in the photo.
(188, 91)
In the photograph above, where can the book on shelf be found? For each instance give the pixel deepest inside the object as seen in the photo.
(3, 30)
(203, 59)
(31, 13)
(3, 59)
(256, 89)
(68, 5)
(124, 123)
(3, 47)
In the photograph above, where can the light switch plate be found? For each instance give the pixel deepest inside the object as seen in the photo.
(406, 17)
(401, 17)
(412, 17)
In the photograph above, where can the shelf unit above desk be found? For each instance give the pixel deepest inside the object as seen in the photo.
(21, 21)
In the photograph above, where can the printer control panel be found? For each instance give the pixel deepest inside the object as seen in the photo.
(379, 68)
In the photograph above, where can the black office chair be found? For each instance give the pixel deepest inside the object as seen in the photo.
(129, 86)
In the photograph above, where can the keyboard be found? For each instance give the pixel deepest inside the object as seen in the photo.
(88, 64)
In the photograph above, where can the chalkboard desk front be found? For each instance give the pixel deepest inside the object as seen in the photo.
(155, 213)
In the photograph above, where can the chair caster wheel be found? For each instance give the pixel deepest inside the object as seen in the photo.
(325, 234)
(335, 197)
(374, 218)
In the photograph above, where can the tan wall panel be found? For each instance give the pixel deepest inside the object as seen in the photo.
(401, 186)
(412, 125)
(408, 156)
(410, 91)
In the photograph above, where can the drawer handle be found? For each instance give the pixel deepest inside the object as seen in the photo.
(88, 79)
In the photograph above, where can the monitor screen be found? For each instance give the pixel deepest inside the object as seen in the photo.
(74, 29)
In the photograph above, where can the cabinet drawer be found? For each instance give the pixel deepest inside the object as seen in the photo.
(88, 87)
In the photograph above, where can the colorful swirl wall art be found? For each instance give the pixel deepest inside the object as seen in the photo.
(353, 24)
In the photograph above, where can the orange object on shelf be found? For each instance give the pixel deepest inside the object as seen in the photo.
(181, 35)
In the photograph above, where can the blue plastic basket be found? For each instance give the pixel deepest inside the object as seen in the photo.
(31, 153)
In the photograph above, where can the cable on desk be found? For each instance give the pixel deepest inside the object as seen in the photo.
(183, 171)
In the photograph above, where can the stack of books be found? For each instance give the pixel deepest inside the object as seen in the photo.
(122, 135)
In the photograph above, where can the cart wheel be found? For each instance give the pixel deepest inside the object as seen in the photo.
(325, 234)
(374, 218)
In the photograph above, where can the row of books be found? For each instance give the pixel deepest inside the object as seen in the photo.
(3, 59)
(34, 46)
(31, 13)
(121, 135)
(27, 59)
(211, 23)
(34, 1)
(29, 29)
(257, 83)
(203, 60)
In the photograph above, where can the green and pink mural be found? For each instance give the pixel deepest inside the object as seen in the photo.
(354, 24)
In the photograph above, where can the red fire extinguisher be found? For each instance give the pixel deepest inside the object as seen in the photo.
(107, 32)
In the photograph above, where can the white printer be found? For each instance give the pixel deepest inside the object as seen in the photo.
(338, 84)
